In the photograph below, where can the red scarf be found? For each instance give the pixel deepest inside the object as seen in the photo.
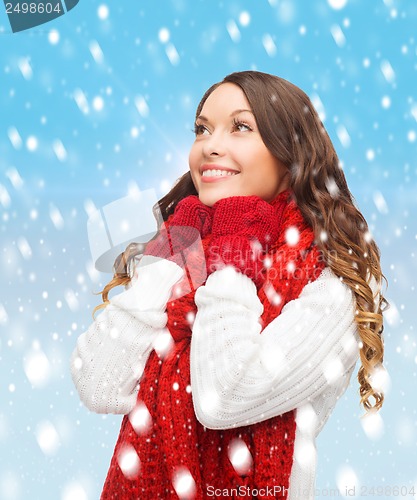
(175, 441)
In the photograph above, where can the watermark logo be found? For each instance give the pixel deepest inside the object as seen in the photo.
(26, 15)
(126, 220)
(135, 218)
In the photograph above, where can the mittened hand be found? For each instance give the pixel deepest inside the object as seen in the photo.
(192, 213)
(179, 240)
(243, 229)
(249, 216)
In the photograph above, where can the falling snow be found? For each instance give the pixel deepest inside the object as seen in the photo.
(36, 366)
(233, 30)
(14, 178)
(347, 480)
(103, 12)
(337, 4)
(163, 344)
(14, 137)
(53, 37)
(142, 106)
(81, 101)
(244, 18)
(140, 418)
(387, 71)
(373, 425)
(59, 150)
(47, 438)
(338, 35)
(25, 68)
(343, 135)
(269, 45)
(96, 51)
(129, 461)
(32, 143)
(184, 483)
(164, 35)
(172, 54)
(292, 236)
(240, 456)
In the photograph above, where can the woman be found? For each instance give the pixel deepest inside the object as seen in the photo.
(258, 355)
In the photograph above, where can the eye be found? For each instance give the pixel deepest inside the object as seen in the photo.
(199, 129)
(241, 126)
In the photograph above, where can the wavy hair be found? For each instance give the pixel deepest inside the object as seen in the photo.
(293, 132)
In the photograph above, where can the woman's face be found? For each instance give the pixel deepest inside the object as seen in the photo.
(228, 157)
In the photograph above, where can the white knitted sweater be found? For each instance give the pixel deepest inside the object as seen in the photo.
(303, 359)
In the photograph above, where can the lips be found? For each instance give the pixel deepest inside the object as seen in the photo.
(216, 173)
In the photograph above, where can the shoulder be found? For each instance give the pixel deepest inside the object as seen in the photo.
(328, 293)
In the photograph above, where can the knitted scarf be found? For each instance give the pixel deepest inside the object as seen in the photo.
(174, 456)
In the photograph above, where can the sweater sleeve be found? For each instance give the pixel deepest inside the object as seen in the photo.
(109, 358)
(240, 376)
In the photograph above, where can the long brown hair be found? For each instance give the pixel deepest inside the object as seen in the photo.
(292, 131)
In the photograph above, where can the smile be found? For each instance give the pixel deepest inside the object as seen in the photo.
(218, 173)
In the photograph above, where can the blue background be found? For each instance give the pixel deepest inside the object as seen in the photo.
(47, 191)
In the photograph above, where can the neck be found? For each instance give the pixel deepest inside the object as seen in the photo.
(282, 198)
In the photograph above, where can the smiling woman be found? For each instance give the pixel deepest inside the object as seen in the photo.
(226, 381)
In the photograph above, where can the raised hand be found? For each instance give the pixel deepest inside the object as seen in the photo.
(243, 229)
(179, 240)
(190, 222)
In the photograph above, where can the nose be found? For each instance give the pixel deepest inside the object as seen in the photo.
(214, 145)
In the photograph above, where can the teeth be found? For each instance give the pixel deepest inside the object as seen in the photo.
(217, 173)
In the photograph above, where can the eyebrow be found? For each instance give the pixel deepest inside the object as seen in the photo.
(236, 112)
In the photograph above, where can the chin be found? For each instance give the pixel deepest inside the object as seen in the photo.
(208, 199)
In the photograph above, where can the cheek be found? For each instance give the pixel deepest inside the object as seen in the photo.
(193, 165)
(193, 158)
